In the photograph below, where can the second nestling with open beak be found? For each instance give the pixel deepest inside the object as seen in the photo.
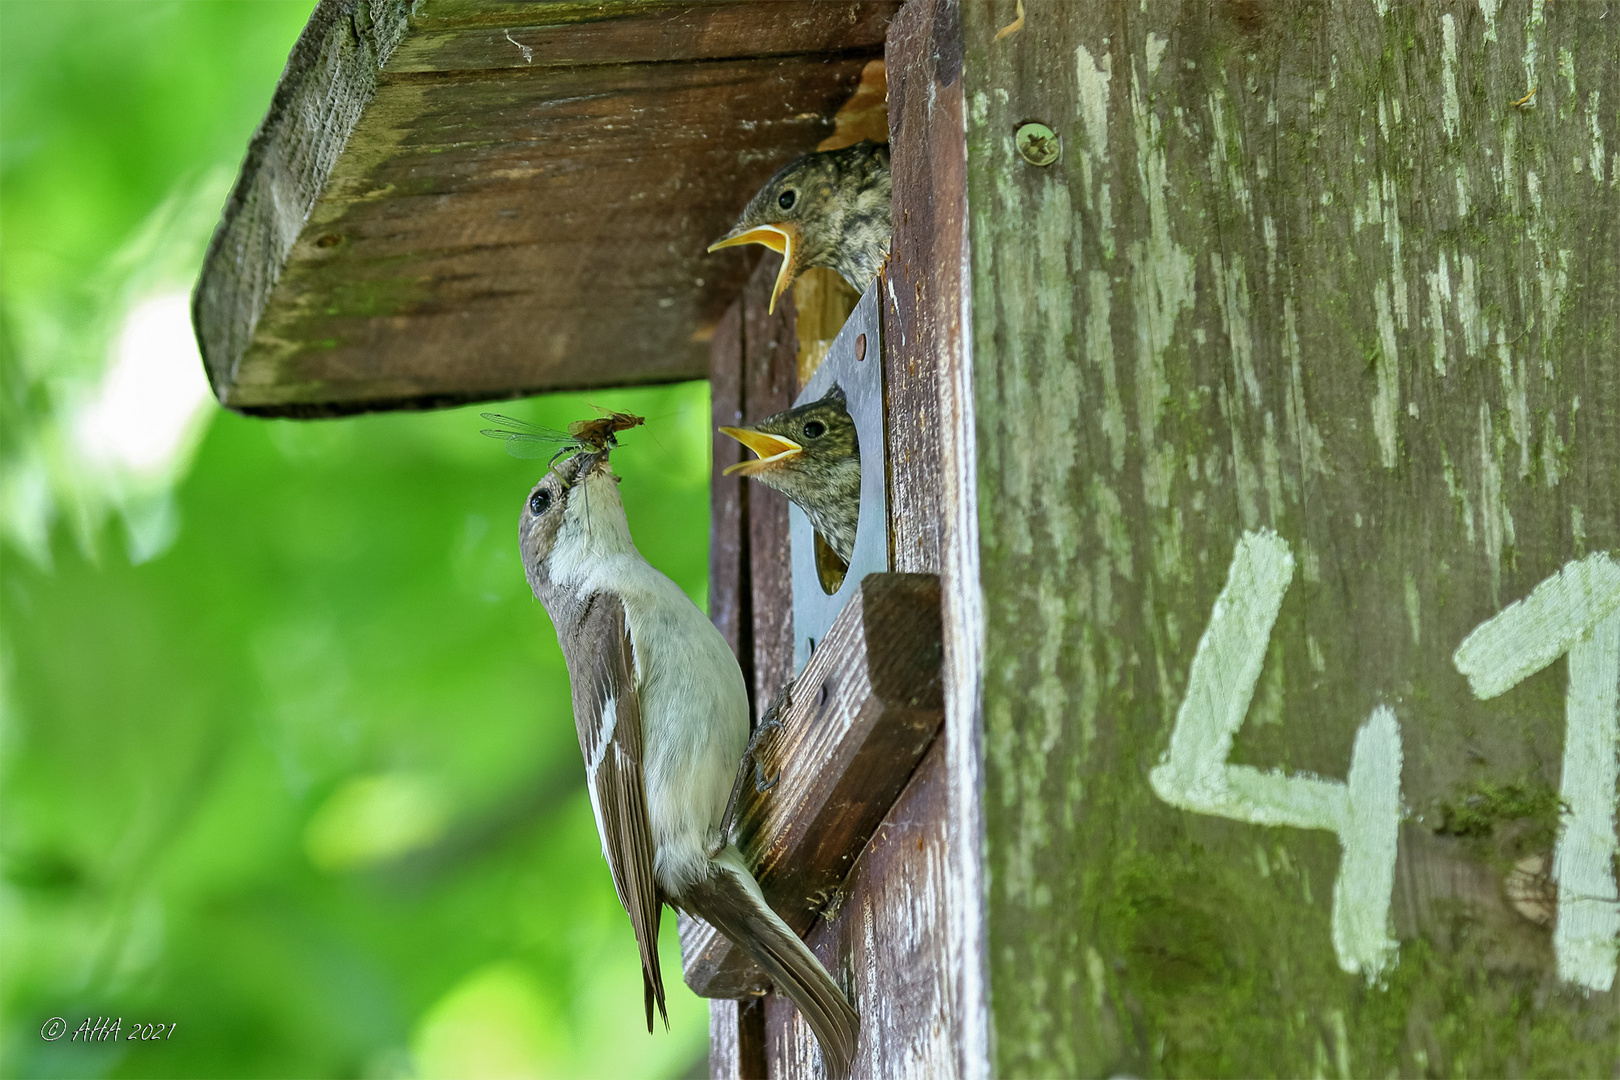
(830, 208)
(811, 455)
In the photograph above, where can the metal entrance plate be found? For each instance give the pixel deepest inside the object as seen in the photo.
(855, 363)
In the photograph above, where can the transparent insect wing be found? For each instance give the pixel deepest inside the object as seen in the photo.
(526, 440)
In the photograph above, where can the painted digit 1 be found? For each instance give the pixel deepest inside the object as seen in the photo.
(1574, 612)
(1364, 813)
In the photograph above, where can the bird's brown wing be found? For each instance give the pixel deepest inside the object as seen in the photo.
(607, 712)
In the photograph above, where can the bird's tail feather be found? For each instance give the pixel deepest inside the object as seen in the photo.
(652, 979)
(729, 900)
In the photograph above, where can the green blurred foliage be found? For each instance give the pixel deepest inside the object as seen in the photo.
(121, 127)
(305, 784)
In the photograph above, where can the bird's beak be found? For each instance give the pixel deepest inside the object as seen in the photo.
(779, 238)
(575, 468)
(773, 450)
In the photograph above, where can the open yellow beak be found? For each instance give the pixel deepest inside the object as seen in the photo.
(772, 450)
(779, 238)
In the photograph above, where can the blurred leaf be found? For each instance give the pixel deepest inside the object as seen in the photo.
(288, 753)
(496, 1024)
(370, 819)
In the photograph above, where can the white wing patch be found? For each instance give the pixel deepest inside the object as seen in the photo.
(604, 735)
(604, 739)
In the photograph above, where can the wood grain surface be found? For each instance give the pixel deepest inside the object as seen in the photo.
(889, 933)
(906, 934)
(736, 1028)
(865, 708)
(771, 368)
(731, 607)
(473, 35)
(449, 229)
(922, 311)
(737, 1039)
(1351, 273)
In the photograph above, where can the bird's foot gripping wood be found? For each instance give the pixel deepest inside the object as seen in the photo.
(750, 766)
(771, 722)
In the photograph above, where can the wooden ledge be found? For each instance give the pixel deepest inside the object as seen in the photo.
(865, 709)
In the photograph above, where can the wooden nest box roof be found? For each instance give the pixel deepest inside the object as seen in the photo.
(453, 200)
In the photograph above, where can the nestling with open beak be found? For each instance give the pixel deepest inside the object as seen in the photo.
(662, 717)
(829, 208)
(811, 455)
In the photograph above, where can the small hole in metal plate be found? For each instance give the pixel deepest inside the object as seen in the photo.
(860, 347)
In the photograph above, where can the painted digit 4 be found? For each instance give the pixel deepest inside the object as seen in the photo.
(1363, 812)
(1574, 612)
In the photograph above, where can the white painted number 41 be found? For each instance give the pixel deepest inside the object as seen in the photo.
(1575, 612)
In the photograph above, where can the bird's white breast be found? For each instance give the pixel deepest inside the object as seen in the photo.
(694, 711)
(694, 706)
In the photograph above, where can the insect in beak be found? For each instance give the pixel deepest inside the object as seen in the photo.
(783, 239)
(773, 450)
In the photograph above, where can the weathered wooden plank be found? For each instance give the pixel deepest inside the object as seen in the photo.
(416, 238)
(790, 1046)
(1330, 270)
(888, 929)
(922, 282)
(865, 708)
(766, 385)
(737, 1039)
(898, 926)
(928, 118)
(770, 358)
(736, 1028)
(330, 78)
(460, 36)
(525, 230)
(730, 596)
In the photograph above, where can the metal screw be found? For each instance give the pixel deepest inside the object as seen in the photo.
(1038, 143)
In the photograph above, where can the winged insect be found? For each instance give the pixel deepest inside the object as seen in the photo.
(601, 432)
(526, 440)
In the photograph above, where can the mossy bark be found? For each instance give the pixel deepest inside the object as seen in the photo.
(1349, 272)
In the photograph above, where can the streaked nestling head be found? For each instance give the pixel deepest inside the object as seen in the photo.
(829, 208)
(810, 454)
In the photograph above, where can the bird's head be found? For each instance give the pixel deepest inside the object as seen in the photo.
(798, 447)
(571, 516)
(799, 212)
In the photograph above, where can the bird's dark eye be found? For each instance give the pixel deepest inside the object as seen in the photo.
(787, 199)
(540, 501)
(815, 429)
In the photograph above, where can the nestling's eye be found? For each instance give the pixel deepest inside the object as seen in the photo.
(815, 429)
(787, 199)
(540, 501)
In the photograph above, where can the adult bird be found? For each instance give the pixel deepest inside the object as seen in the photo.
(662, 716)
(811, 455)
(828, 208)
